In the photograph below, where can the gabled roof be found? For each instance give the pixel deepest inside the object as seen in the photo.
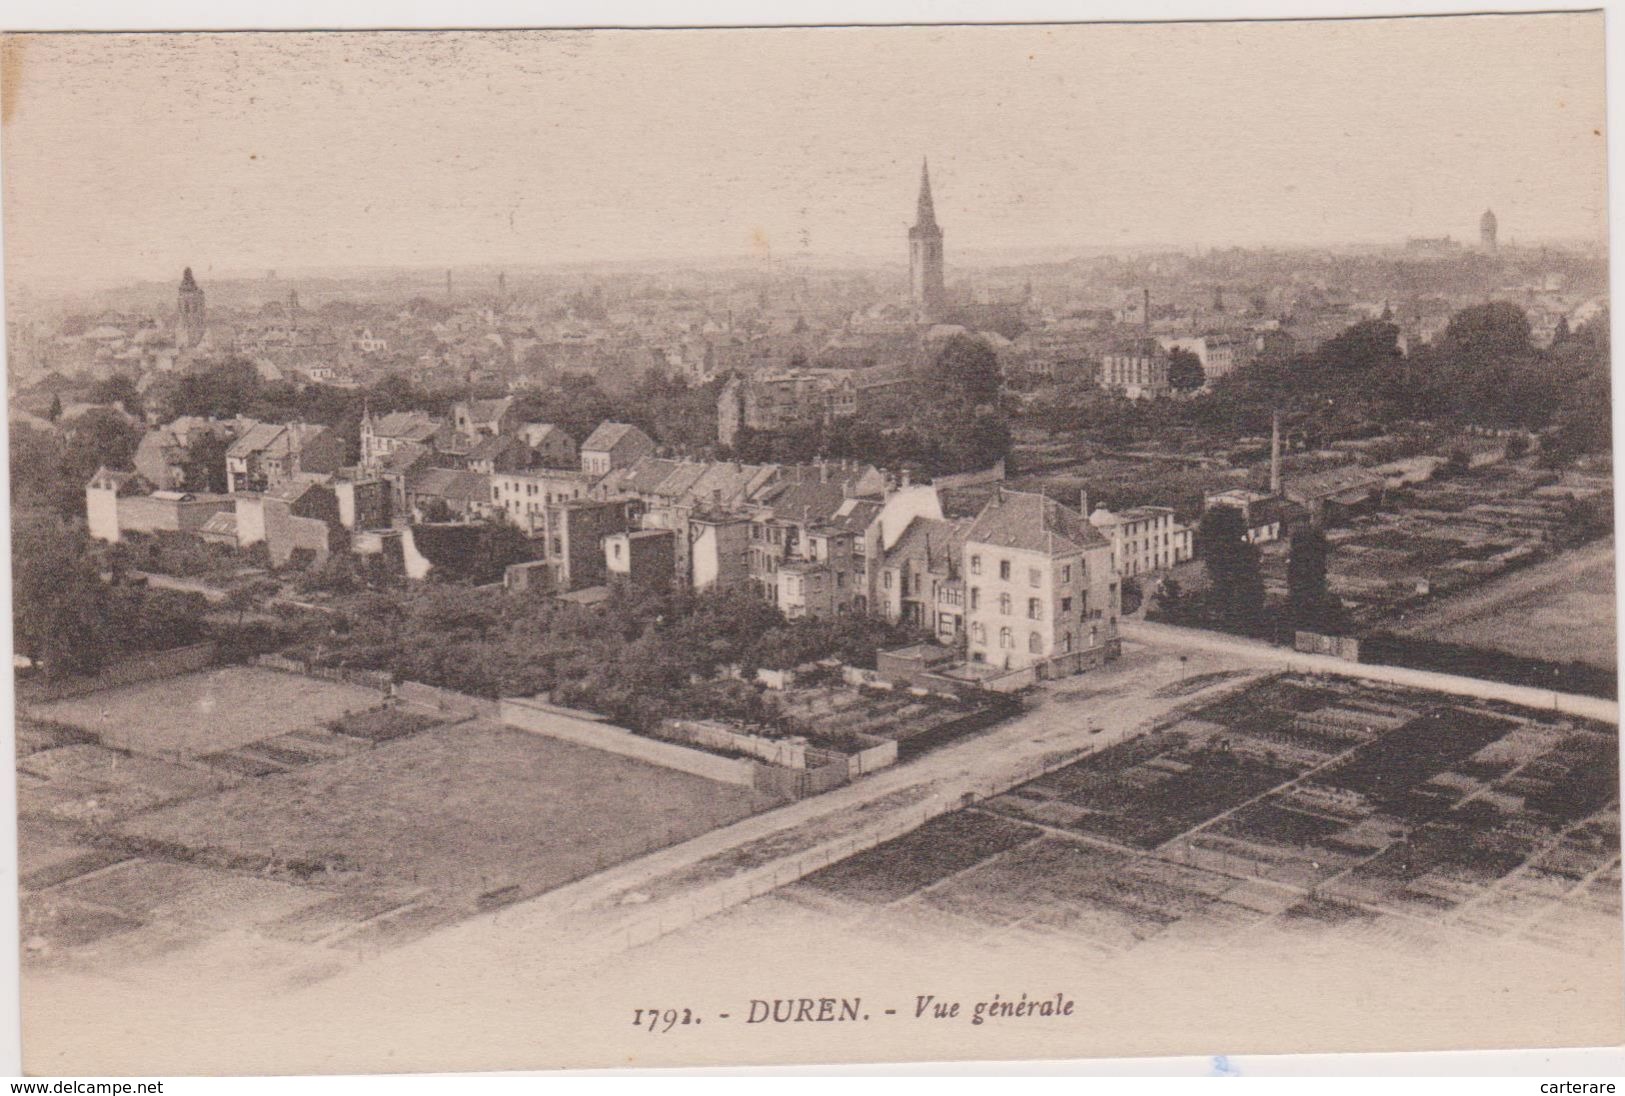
(124, 483)
(854, 516)
(935, 543)
(404, 456)
(275, 439)
(295, 489)
(1033, 523)
(610, 434)
(493, 447)
(452, 483)
(410, 425)
(489, 410)
(1332, 481)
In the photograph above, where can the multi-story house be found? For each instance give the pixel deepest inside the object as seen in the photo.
(782, 399)
(921, 580)
(382, 435)
(1138, 370)
(614, 445)
(268, 454)
(485, 418)
(673, 491)
(815, 520)
(1041, 591)
(530, 499)
(1144, 539)
(550, 446)
(171, 456)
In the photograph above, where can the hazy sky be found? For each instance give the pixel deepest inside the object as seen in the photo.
(132, 156)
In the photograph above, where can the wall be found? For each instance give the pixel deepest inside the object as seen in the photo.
(584, 729)
(285, 533)
(446, 700)
(144, 514)
(786, 752)
(128, 671)
(718, 556)
(250, 520)
(101, 512)
(1346, 647)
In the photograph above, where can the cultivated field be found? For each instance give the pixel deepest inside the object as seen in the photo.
(203, 713)
(302, 825)
(459, 818)
(1561, 610)
(1297, 806)
(1448, 536)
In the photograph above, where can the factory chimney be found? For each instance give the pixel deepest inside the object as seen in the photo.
(1275, 453)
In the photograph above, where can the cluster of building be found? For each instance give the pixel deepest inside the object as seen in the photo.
(1027, 582)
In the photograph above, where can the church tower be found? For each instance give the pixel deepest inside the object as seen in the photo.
(925, 254)
(1486, 232)
(189, 323)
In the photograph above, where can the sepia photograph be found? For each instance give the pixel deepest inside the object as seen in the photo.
(694, 547)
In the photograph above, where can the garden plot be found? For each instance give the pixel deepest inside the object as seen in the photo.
(460, 811)
(203, 713)
(1437, 822)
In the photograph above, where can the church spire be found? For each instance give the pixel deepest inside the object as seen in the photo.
(925, 215)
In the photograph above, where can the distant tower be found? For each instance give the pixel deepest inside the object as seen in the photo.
(189, 323)
(925, 254)
(293, 310)
(1486, 231)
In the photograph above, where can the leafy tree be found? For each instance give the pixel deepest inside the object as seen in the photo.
(1236, 596)
(1310, 603)
(119, 389)
(60, 607)
(969, 369)
(1185, 373)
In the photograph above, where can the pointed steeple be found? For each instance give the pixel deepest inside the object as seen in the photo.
(925, 214)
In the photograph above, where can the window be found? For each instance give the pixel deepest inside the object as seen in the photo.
(1035, 644)
(1094, 634)
(975, 597)
(1004, 604)
(1007, 640)
(1035, 611)
(1066, 605)
(886, 579)
(1004, 569)
(1066, 572)
(978, 632)
(495, 495)
(976, 565)
(1035, 577)
(1066, 641)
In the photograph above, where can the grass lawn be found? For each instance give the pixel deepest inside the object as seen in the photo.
(460, 810)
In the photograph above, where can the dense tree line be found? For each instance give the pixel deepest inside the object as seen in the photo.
(67, 620)
(639, 658)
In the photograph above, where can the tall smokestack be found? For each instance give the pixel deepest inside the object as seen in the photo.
(1145, 311)
(1275, 452)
